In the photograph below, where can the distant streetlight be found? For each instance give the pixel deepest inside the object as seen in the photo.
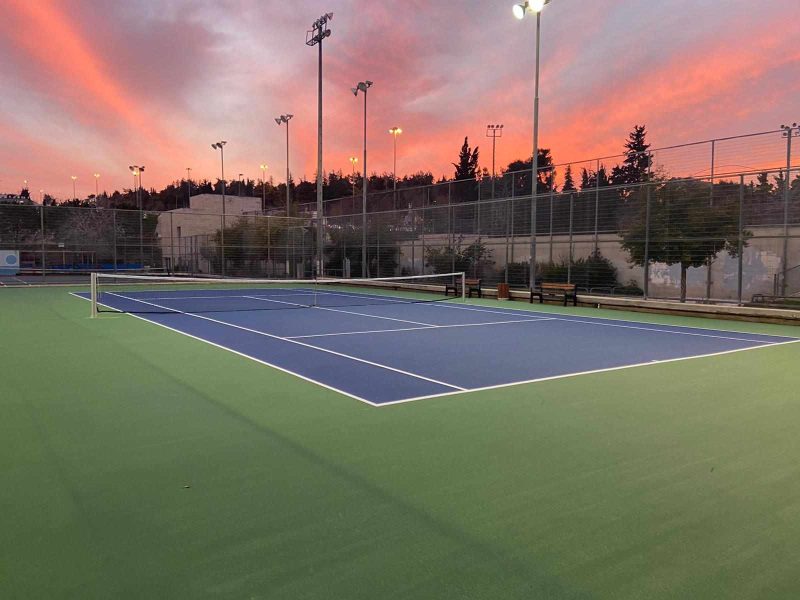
(263, 187)
(96, 185)
(285, 119)
(188, 185)
(74, 193)
(353, 160)
(363, 86)
(520, 10)
(219, 146)
(395, 131)
(241, 175)
(494, 132)
(41, 197)
(319, 31)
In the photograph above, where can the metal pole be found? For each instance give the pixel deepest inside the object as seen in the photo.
(710, 206)
(141, 219)
(569, 264)
(741, 240)
(320, 208)
(44, 252)
(786, 196)
(288, 198)
(364, 198)
(597, 207)
(188, 186)
(171, 246)
(114, 224)
(513, 191)
(222, 231)
(647, 243)
(535, 158)
(494, 149)
(551, 223)
(509, 205)
(394, 170)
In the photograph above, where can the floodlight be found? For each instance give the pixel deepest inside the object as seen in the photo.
(519, 11)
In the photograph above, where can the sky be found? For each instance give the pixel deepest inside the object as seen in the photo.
(93, 86)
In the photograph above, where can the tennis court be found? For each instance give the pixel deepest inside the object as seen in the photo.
(385, 348)
(141, 459)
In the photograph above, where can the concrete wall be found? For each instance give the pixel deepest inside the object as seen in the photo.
(761, 261)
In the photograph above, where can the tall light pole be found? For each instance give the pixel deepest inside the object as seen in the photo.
(279, 120)
(137, 172)
(219, 146)
(395, 131)
(96, 186)
(520, 10)
(318, 33)
(263, 168)
(353, 160)
(494, 132)
(241, 179)
(188, 185)
(363, 86)
(789, 131)
(74, 193)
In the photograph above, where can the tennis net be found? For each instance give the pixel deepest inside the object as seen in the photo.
(163, 294)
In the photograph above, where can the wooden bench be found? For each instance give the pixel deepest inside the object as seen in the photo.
(556, 290)
(473, 285)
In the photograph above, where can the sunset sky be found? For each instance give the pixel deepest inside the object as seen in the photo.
(96, 85)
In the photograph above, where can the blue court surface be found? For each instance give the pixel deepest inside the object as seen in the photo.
(384, 350)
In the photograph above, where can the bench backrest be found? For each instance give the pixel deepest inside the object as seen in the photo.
(561, 287)
(473, 282)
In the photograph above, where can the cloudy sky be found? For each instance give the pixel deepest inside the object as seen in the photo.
(96, 85)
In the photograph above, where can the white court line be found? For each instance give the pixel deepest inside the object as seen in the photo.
(242, 354)
(595, 321)
(277, 337)
(461, 391)
(557, 316)
(348, 312)
(316, 335)
(222, 297)
(592, 372)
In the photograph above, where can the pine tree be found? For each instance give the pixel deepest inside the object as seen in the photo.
(569, 183)
(635, 167)
(467, 166)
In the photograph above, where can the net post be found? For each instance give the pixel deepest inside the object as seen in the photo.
(93, 293)
(464, 287)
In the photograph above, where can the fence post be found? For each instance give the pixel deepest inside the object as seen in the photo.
(114, 238)
(569, 265)
(44, 251)
(452, 227)
(513, 195)
(551, 223)
(222, 243)
(786, 195)
(741, 240)
(647, 243)
(509, 205)
(171, 246)
(597, 207)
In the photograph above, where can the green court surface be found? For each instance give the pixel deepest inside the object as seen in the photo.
(139, 463)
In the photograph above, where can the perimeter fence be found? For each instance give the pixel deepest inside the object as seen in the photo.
(726, 237)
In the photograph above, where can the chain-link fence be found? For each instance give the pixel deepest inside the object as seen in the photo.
(728, 237)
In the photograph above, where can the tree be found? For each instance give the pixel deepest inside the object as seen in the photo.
(472, 259)
(635, 167)
(467, 165)
(546, 175)
(569, 183)
(680, 230)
